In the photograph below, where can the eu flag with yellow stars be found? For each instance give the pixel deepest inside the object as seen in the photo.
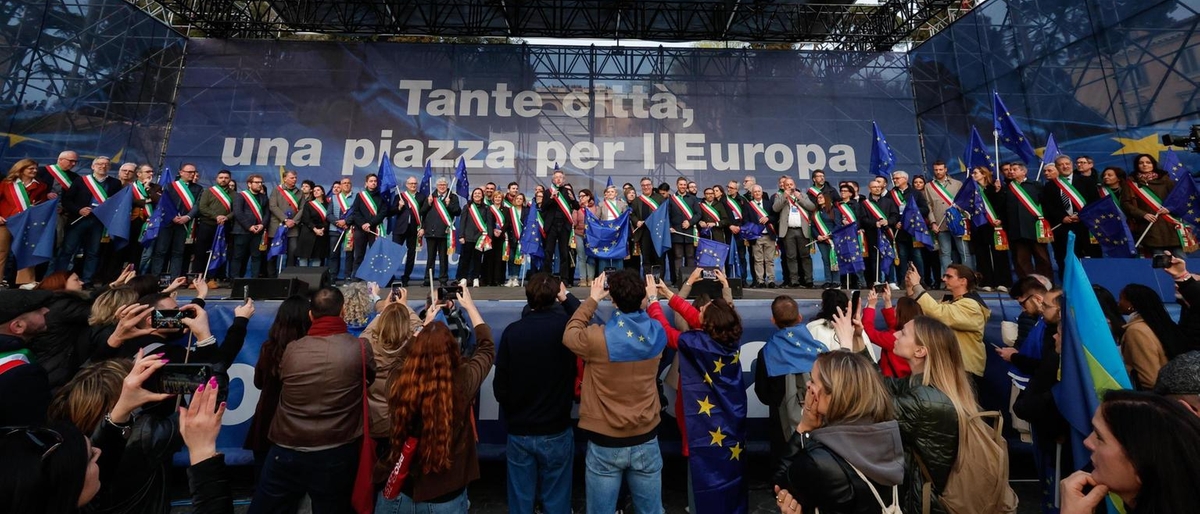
(1107, 224)
(792, 350)
(1184, 201)
(381, 262)
(1010, 134)
(977, 154)
(607, 239)
(849, 253)
(914, 223)
(33, 231)
(1175, 169)
(883, 159)
(711, 254)
(970, 200)
(714, 415)
(633, 336)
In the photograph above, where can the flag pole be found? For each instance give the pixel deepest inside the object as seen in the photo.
(1143, 236)
(204, 276)
(996, 144)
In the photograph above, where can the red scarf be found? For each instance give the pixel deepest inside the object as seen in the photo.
(328, 326)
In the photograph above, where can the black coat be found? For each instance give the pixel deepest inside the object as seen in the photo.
(434, 226)
(405, 217)
(360, 214)
(64, 346)
(468, 231)
(678, 216)
(79, 196)
(1052, 205)
(243, 214)
(896, 215)
(1018, 221)
(553, 215)
(821, 479)
(309, 244)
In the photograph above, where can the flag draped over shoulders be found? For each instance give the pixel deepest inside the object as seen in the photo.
(714, 406)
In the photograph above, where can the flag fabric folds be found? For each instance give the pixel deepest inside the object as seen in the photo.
(976, 154)
(114, 215)
(217, 251)
(1175, 169)
(633, 336)
(33, 232)
(970, 199)
(426, 185)
(164, 210)
(387, 180)
(462, 186)
(1107, 224)
(1091, 362)
(883, 159)
(849, 254)
(531, 239)
(887, 255)
(1010, 134)
(914, 223)
(1184, 201)
(714, 407)
(607, 239)
(660, 229)
(279, 241)
(711, 254)
(1049, 154)
(792, 350)
(381, 262)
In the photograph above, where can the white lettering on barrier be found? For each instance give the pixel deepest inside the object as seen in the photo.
(245, 408)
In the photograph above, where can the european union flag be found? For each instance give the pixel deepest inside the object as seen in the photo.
(1184, 201)
(887, 255)
(33, 233)
(164, 211)
(914, 223)
(426, 185)
(1049, 154)
(1091, 362)
(849, 253)
(607, 239)
(279, 241)
(883, 159)
(387, 180)
(792, 350)
(462, 186)
(711, 254)
(714, 407)
(977, 154)
(1010, 134)
(970, 199)
(660, 229)
(531, 239)
(114, 215)
(1173, 167)
(381, 262)
(217, 251)
(1107, 224)
(633, 336)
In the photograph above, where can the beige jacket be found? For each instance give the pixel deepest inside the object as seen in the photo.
(1142, 352)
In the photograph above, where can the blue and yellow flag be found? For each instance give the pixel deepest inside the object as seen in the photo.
(792, 350)
(1175, 169)
(426, 185)
(659, 226)
(849, 252)
(711, 254)
(381, 262)
(633, 336)
(970, 200)
(33, 233)
(914, 223)
(1010, 134)
(1184, 201)
(977, 154)
(607, 239)
(1049, 154)
(1107, 224)
(114, 215)
(217, 253)
(714, 415)
(883, 159)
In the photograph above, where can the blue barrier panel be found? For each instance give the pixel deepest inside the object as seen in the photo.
(1115, 274)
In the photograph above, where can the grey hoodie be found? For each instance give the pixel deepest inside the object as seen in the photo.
(873, 448)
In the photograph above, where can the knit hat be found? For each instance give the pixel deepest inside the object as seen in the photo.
(1180, 376)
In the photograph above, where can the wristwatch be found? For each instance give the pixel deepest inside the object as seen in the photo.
(125, 428)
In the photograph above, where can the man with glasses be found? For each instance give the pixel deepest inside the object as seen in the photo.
(907, 250)
(643, 206)
(963, 311)
(26, 385)
(340, 201)
(408, 228)
(1085, 166)
(284, 204)
(216, 204)
(1063, 196)
(249, 228)
(184, 195)
(59, 175)
(83, 230)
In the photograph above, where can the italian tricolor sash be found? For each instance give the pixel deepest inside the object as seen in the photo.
(439, 206)
(683, 206)
(541, 224)
(62, 177)
(795, 205)
(822, 227)
(710, 212)
(814, 191)
(1071, 192)
(368, 201)
(222, 197)
(734, 209)
(1041, 227)
(411, 200)
(649, 202)
(11, 360)
(898, 197)
(989, 211)
(874, 209)
(320, 208)
(498, 213)
(1112, 193)
(253, 204)
(185, 194)
(759, 213)
(343, 200)
(1155, 203)
(562, 203)
(847, 212)
(96, 187)
(942, 193)
(611, 207)
(292, 199)
(477, 218)
(21, 194)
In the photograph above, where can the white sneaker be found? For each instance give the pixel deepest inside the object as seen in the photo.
(475, 283)
(894, 286)
(1002, 289)
(986, 289)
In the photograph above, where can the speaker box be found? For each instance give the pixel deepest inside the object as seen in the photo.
(712, 287)
(315, 277)
(267, 288)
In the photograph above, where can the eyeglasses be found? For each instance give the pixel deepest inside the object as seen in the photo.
(71, 160)
(256, 182)
(38, 436)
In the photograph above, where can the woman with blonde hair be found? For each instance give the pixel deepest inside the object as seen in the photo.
(19, 191)
(102, 320)
(389, 333)
(90, 394)
(493, 259)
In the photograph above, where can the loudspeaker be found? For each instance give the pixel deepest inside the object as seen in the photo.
(712, 287)
(267, 288)
(315, 277)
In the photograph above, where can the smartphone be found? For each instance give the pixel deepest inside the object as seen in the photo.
(447, 293)
(708, 273)
(656, 270)
(607, 271)
(164, 282)
(192, 277)
(1161, 261)
(880, 288)
(178, 378)
(396, 291)
(169, 318)
(855, 300)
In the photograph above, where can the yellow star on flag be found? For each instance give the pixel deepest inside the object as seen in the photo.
(641, 339)
(735, 452)
(628, 333)
(1149, 144)
(621, 323)
(717, 365)
(16, 139)
(717, 437)
(707, 379)
(705, 407)
(736, 356)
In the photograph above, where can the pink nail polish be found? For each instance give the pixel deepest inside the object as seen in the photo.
(212, 383)
(200, 387)
(164, 361)
(158, 355)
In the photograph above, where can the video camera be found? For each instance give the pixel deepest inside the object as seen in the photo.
(1190, 141)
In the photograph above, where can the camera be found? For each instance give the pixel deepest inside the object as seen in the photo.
(1161, 261)
(169, 318)
(1190, 141)
(178, 378)
(449, 293)
(708, 273)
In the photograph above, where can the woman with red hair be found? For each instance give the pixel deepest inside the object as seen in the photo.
(20, 190)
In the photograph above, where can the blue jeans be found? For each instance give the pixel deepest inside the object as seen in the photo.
(949, 244)
(539, 469)
(85, 233)
(908, 255)
(405, 505)
(327, 476)
(639, 466)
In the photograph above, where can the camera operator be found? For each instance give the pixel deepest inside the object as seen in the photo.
(453, 316)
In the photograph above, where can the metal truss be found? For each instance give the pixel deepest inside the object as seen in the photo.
(834, 24)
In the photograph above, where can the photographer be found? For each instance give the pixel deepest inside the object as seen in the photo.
(136, 330)
(452, 315)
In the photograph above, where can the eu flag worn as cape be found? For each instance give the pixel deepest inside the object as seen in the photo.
(164, 210)
(914, 223)
(33, 232)
(970, 199)
(714, 408)
(1091, 362)
(381, 262)
(607, 239)
(426, 184)
(462, 186)
(114, 215)
(976, 154)
(1175, 169)
(883, 159)
(711, 254)
(1031, 347)
(1107, 224)
(531, 239)
(660, 229)
(1010, 134)
(633, 336)
(217, 251)
(849, 253)
(1184, 201)
(792, 350)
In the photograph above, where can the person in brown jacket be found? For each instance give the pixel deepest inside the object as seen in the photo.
(618, 407)
(1151, 185)
(434, 381)
(318, 425)
(1151, 336)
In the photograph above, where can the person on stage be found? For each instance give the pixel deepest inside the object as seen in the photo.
(84, 230)
(643, 206)
(216, 207)
(19, 191)
(314, 230)
(366, 216)
(685, 216)
(249, 228)
(286, 201)
(408, 230)
(341, 244)
(557, 205)
(438, 215)
(1026, 225)
(172, 236)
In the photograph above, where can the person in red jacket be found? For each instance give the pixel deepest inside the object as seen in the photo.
(895, 318)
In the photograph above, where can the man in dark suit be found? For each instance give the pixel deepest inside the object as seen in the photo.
(437, 217)
(250, 218)
(1063, 196)
(1022, 216)
(874, 212)
(642, 207)
(184, 194)
(685, 215)
(906, 250)
(557, 205)
(408, 229)
(83, 229)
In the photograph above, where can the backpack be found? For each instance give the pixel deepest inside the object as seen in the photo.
(791, 408)
(978, 481)
(894, 508)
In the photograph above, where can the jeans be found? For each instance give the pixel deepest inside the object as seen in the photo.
(908, 255)
(796, 257)
(405, 505)
(85, 233)
(539, 470)
(949, 244)
(583, 264)
(827, 258)
(640, 467)
(327, 476)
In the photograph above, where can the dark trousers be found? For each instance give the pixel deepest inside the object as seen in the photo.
(684, 257)
(362, 240)
(493, 264)
(470, 262)
(337, 245)
(246, 251)
(1030, 256)
(168, 250)
(1083, 244)
(436, 248)
(407, 238)
(740, 268)
(990, 262)
(85, 234)
(797, 257)
(908, 255)
(326, 476)
(558, 238)
(204, 236)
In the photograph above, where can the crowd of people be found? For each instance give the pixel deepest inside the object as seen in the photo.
(1027, 221)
